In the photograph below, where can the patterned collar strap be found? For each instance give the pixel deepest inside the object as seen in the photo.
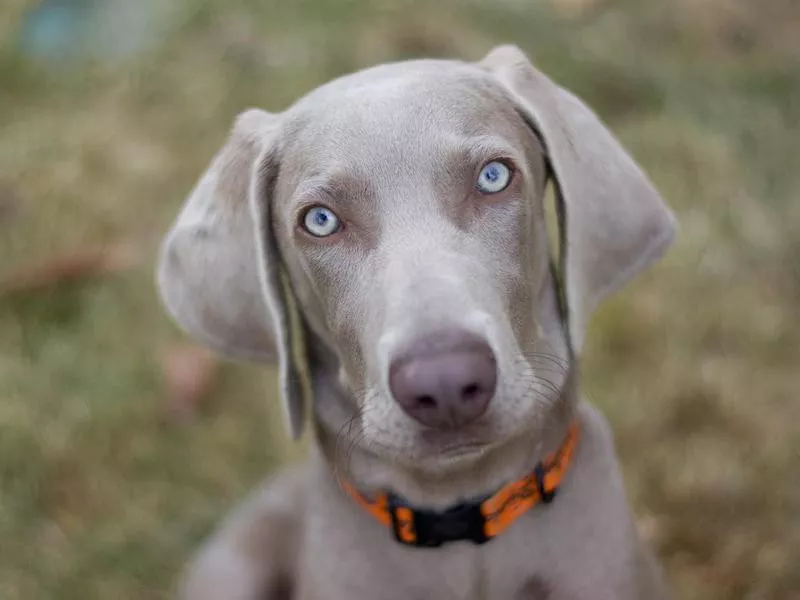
(478, 521)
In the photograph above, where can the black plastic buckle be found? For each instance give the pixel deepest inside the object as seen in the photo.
(461, 522)
(545, 495)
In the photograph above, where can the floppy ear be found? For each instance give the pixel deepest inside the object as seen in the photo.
(219, 273)
(614, 223)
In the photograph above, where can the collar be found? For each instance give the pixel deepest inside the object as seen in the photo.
(479, 520)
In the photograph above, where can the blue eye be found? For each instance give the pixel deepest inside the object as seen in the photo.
(493, 178)
(320, 221)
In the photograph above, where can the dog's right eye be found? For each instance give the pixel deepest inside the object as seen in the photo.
(320, 221)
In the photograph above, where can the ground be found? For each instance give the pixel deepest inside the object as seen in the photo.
(104, 491)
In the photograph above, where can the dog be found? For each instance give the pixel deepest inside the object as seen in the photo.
(386, 241)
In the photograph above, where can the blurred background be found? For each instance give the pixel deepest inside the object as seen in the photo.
(122, 444)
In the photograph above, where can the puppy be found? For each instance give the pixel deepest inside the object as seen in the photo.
(385, 240)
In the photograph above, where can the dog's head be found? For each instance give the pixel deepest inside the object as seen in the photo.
(390, 226)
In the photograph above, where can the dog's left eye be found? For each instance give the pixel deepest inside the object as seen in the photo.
(494, 177)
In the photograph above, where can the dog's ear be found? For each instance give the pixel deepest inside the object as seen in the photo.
(219, 273)
(614, 223)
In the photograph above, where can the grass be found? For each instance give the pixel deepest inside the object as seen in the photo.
(695, 364)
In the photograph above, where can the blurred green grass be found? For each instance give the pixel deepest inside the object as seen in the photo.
(696, 364)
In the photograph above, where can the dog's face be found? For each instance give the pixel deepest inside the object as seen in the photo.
(409, 203)
(402, 209)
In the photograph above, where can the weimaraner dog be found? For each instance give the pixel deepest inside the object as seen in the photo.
(385, 240)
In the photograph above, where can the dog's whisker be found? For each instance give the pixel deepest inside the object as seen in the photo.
(550, 360)
(549, 385)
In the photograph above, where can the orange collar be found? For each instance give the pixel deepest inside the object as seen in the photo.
(480, 520)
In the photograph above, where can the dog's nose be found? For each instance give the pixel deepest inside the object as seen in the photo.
(445, 380)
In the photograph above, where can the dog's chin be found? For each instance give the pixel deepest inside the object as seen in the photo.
(428, 452)
(439, 471)
(445, 449)
(489, 451)
(440, 452)
(453, 446)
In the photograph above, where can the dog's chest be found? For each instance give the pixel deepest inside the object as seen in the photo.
(388, 571)
(459, 573)
(361, 560)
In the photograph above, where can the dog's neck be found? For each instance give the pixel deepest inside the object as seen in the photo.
(335, 434)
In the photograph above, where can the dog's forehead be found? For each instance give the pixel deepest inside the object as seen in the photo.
(395, 108)
(395, 84)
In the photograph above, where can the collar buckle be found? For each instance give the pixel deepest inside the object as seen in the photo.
(430, 529)
(539, 477)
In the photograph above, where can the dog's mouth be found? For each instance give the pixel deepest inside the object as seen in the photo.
(453, 447)
(456, 445)
(416, 446)
(452, 442)
(462, 452)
